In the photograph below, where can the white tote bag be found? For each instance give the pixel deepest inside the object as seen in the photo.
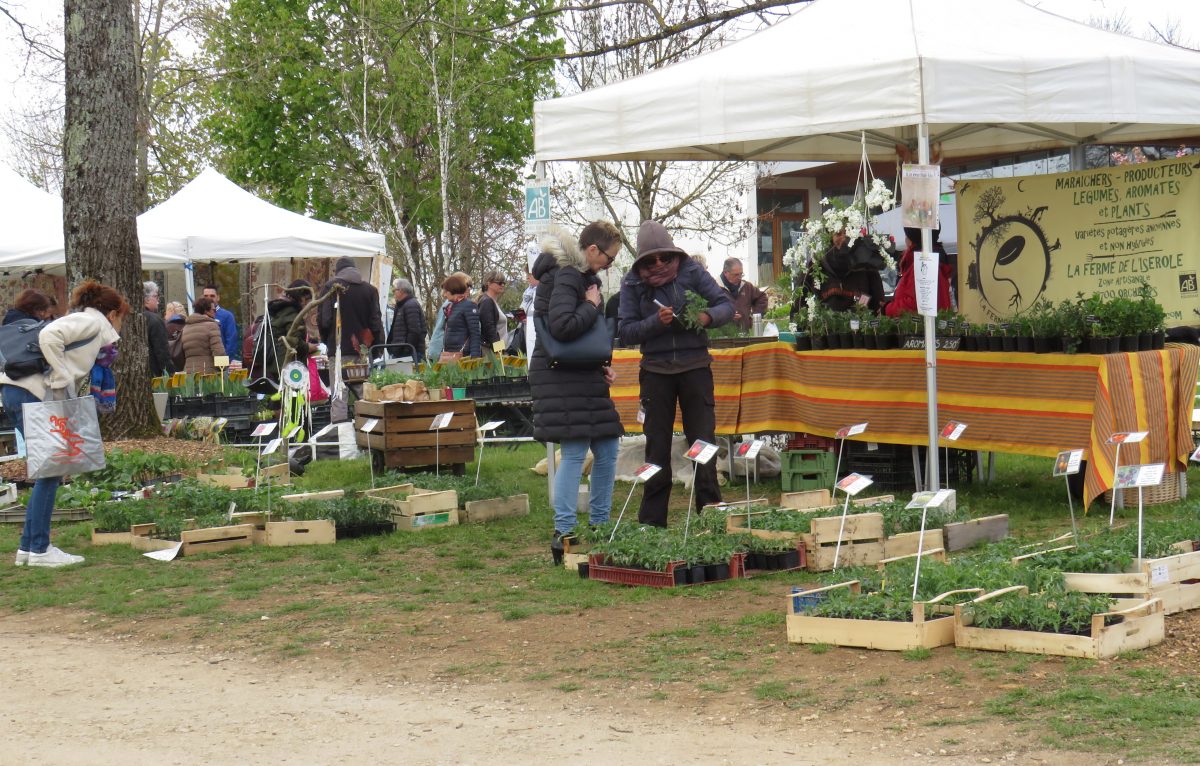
(62, 438)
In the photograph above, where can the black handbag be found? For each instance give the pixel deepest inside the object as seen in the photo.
(589, 351)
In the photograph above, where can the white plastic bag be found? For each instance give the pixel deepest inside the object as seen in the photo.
(62, 438)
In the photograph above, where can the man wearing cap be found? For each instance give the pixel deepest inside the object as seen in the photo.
(676, 366)
(905, 298)
(362, 321)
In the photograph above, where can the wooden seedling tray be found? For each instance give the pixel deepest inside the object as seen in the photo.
(598, 570)
(932, 624)
(278, 475)
(862, 541)
(906, 543)
(215, 539)
(572, 560)
(287, 533)
(151, 544)
(329, 494)
(963, 534)
(425, 519)
(478, 511)
(1142, 625)
(736, 523)
(818, 499)
(732, 505)
(111, 538)
(230, 478)
(423, 501)
(1173, 579)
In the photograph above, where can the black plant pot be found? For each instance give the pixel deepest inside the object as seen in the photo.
(716, 572)
(1129, 343)
(804, 343)
(791, 559)
(858, 340)
(1041, 345)
(696, 574)
(1008, 343)
(1145, 341)
(1025, 344)
(681, 575)
(995, 343)
(366, 530)
(970, 343)
(847, 339)
(1097, 345)
(819, 343)
(1070, 345)
(871, 342)
(1159, 340)
(583, 573)
(833, 340)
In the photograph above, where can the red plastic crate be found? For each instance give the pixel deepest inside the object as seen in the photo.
(597, 570)
(809, 441)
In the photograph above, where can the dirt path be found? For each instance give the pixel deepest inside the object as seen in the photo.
(101, 699)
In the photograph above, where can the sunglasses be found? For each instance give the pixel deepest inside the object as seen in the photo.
(500, 282)
(659, 258)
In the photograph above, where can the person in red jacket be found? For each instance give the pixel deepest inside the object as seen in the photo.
(904, 300)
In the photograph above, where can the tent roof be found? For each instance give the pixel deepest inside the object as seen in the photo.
(33, 223)
(212, 218)
(988, 76)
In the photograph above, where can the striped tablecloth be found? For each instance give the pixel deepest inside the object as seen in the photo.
(1030, 404)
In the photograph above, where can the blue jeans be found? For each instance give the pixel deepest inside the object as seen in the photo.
(35, 537)
(570, 470)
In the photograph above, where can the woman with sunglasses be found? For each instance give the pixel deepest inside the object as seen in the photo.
(493, 324)
(572, 407)
(676, 366)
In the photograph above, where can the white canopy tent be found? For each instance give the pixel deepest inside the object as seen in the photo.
(967, 77)
(33, 229)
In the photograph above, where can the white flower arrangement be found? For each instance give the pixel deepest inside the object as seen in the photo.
(856, 220)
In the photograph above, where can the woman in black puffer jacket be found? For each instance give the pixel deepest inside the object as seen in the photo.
(573, 407)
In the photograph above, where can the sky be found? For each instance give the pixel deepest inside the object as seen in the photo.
(17, 88)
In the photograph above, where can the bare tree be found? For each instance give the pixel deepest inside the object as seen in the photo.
(100, 189)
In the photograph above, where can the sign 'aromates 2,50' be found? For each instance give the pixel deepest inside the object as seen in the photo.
(1104, 231)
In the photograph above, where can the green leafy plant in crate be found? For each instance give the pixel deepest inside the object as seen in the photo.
(1047, 612)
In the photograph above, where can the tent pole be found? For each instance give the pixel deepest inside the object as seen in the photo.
(931, 461)
(189, 281)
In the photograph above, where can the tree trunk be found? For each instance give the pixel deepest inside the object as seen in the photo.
(100, 186)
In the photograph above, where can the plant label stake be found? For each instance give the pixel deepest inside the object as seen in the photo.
(850, 486)
(1066, 464)
(950, 433)
(747, 452)
(484, 430)
(931, 501)
(1130, 476)
(367, 428)
(439, 422)
(221, 362)
(700, 453)
(643, 475)
(841, 436)
(260, 431)
(1123, 437)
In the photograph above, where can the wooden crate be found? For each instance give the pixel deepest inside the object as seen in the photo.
(963, 534)
(16, 514)
(816, 499)
(733, 505)
(230, 478)
(215, 539)
(423, 501)
(932, 624)
(151, 544)
(111, 538)
(277, 475)
(1141, 626)
(573, 560)
(478, 511)
(402, 435)
(258, 519)
(862, 541)
(426, 519)
(1175, 580)
(906, 543)
(736, 523)
(300, 497)
(287, 533)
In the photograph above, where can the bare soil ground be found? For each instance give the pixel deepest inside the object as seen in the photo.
(84, 691)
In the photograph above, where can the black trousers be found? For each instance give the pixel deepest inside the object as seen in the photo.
(693, 391)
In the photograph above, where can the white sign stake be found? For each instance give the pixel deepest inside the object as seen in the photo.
(484, 429)
(700, 453)
(748, 452)
(1066, 464)
(850, 486)
(439, 422)
(841, 435)
(934, 501)
(1149, 475)
(643, 475)
(1123, 437)
(951, 433)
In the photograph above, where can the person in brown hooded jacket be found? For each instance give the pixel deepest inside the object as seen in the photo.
(202, 338)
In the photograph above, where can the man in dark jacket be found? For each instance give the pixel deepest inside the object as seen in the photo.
(747, 299)
(676, 366)
(362, 322)
(408, 320)
(156, 333)
(283, 312)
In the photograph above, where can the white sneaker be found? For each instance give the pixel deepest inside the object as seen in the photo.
(53, 557)
(22, 558)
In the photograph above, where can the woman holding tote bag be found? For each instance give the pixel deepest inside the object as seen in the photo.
(571, 404)
(70, 345)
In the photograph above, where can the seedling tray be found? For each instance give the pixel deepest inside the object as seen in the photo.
(598, 570)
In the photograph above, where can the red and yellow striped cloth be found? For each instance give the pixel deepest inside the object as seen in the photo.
(1030, 404)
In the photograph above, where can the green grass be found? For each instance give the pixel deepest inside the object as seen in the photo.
(445, 586)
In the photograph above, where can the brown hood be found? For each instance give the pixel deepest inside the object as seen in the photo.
(197, 318)
(653, 238)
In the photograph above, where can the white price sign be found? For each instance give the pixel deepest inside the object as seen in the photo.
(441, 421)
(748, 450)
(953, 430)
(491, 425)
(1131, 437)
(646, 471)
(925, 269)
(271, 446)
(264, 429)
(1068, 462)
(848, 431)
(701, 452)
(1130, 476)
(854, 483)
(369, 425)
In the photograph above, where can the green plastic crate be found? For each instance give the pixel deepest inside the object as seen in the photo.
(806, 461)
(800, 481)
